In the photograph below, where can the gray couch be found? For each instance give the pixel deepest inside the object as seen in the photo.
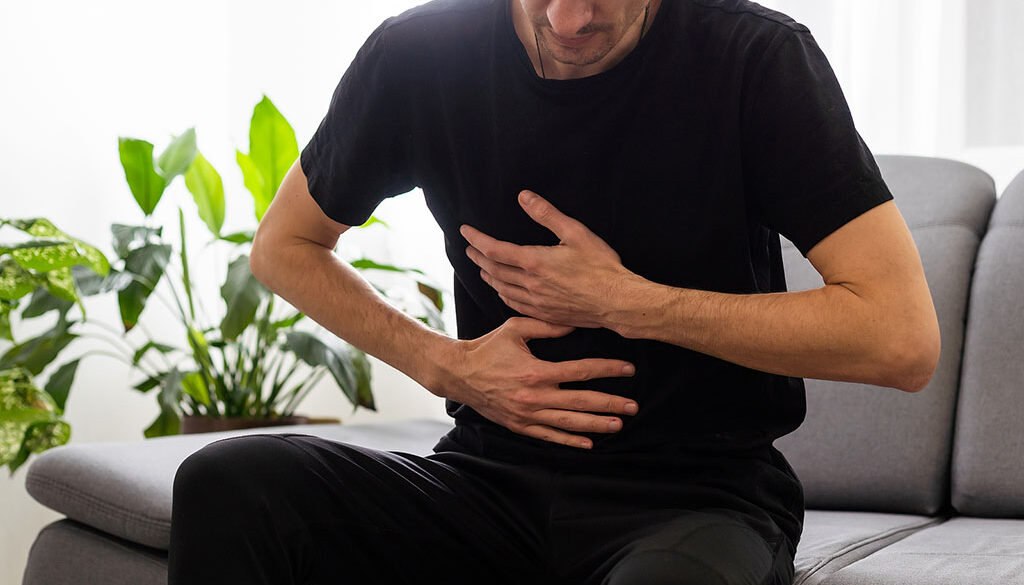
(900, 488)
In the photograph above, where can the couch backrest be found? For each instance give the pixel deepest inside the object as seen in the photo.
(988, 452)
(865, 447)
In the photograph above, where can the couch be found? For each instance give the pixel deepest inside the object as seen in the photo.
(924, 488)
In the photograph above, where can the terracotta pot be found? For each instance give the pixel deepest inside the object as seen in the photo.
(209, 424)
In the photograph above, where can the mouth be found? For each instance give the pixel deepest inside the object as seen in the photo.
(571, 42)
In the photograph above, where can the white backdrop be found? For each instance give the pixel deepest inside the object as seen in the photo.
(929, 77)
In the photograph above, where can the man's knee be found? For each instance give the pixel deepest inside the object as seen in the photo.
(664, 567)
(697, 549)
(233, 470)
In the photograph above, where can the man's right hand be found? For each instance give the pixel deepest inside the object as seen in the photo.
(498, 377)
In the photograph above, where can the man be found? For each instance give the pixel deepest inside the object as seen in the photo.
(611, 177)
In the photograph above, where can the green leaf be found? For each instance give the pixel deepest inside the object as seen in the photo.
(287, 322)
(164, 349)
(169, 398)
(194, 385)
(272, 150)
(178, 155)
(55, 249)
(374, 219)
(243, 295)
(245, 237)
(149, 383)
(433, 294)
(367, 264)
(89, 283)
(253, 179)
(43, 254)
(15, 281)
(137, 160)
(47, 435)
(337, 358)
(131, 237)
(166, 423)
(6, 307)
(363, 379)
(59, 384)
(26, 416)
(36, 353)
(60, 284)
(207, 190)
(43, 302)
(147, 265)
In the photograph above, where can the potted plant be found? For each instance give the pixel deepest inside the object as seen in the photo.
(31, 417)
(249, 364)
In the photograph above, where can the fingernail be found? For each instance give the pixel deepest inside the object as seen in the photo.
(631, 408)
(528, 197)
(628, 369)
(583, 444)
(614, 425)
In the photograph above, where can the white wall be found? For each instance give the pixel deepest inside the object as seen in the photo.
(74, 76)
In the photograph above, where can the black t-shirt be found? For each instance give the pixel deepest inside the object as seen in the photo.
(723, 128)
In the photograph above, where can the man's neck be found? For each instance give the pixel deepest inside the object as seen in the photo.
(547, 66)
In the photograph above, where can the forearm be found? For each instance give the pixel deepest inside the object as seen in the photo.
(827, 333)
(332, 293)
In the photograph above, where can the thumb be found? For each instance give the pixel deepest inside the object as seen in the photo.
(528, 328)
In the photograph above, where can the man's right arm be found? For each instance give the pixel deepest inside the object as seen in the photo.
(293, 255)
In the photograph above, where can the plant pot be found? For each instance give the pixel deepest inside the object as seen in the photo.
(209, 424)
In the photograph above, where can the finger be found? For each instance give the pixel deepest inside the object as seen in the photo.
(579, 422)
(589, 369)
(495, 249)
(506, 290)
(504, 272)
(547, 215)
(547, 433)
(527, 328)
(588, 401)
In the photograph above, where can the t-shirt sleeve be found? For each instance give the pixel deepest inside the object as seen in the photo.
(361, 152)
(806, 169)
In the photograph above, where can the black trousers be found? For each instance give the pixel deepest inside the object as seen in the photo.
(294, 509)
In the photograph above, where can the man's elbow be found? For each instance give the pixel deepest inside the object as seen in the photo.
(913, 357)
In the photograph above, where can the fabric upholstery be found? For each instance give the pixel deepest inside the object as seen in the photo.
(962, 551)
(833, 540)
(865, 447)
(126, 491)
(68, 553)
(988, 459)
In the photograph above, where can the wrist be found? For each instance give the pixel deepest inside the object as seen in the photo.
(440, 359)
(638, 306)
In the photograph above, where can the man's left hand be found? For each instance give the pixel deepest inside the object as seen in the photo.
(572, 283)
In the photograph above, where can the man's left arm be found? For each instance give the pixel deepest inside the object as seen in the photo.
(872, 322)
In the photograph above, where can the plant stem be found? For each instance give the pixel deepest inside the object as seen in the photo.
(299, 393)
(184, 264)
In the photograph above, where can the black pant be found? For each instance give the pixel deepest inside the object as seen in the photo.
(291, 509)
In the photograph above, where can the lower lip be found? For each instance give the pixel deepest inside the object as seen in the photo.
(573, 42)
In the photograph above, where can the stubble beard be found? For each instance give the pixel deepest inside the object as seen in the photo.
(582, 57)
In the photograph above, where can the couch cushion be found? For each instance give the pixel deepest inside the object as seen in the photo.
(69, 553)
(864, 447)
(973, 551)
(124, 489)
(833, 540)
(988, 456)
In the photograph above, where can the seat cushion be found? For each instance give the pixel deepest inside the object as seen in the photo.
(124, 489)
(864, 447)
(975, 551)
(833, 540)
(988, 466)
(68, 553)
